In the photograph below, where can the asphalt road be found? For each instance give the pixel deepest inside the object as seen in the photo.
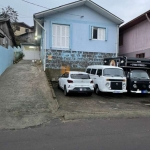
(116, 134)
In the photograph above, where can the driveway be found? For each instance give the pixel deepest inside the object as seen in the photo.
(78, 106)
(25, 97)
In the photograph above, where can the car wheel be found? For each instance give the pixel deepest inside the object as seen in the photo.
(97, 90)
(89, 94)
(65, 91)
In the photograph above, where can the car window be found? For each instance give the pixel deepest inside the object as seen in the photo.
(88, 70)
(99, 72)
(93, 71)
(65, 75)
(80, 76)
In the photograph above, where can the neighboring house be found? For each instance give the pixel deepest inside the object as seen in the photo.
(135, 37)
(77, 34)
(25, 36)
(22, 28)
(7, 37)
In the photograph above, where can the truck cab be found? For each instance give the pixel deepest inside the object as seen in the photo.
(136, 71)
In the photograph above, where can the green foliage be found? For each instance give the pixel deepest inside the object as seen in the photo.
(11, 13)
(18, 56)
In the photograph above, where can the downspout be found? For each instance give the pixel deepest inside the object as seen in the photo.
(147, 17)
(117, 41)
(44, 42)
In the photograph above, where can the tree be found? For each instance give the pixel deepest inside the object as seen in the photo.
(10, 13)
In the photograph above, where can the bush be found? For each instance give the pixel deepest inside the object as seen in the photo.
(18, 56)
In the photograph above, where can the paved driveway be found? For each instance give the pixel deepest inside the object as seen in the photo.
(25, 97)
(103, 105)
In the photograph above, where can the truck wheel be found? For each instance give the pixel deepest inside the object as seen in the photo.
(97, 90)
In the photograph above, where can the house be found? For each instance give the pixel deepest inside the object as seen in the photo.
(77, 34)
(22, 28)
(7, 37)
(25, 36)
(134, 40)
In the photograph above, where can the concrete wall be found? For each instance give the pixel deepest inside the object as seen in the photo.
(80, 36)
(6, 58)
(136, 40)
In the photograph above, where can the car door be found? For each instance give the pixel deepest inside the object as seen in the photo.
(64, 79)
(61, 80)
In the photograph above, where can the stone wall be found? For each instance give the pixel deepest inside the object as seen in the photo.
(74, 59)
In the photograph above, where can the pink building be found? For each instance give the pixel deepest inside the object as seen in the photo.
(134, 39)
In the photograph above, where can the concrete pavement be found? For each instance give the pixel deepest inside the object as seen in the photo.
(25, 97)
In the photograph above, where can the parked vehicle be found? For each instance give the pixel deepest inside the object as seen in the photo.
(74, 81)
(107, 78)
(138, 80)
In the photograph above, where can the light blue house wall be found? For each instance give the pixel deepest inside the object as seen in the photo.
(6, 58)
(83, 51)
(80, 32)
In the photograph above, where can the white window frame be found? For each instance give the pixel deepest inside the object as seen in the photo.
(99, 29)
(64, 42)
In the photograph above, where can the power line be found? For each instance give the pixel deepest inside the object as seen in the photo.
(49, 8)
(35, 4)
(20, 15)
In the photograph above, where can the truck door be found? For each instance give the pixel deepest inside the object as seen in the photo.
(98, 78)
(128, 81)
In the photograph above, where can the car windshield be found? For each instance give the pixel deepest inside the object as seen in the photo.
(113, 72)
(80, 76)
(140, 74)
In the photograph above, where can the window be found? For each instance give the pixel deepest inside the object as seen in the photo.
(93, 71)
(17, 28)
(80, 76)
(113, 72)
(142, 55)
(26, 30)
(4, 40)
(99, 72)
(60, 36)
(88, 70)
(98, 33)
(65, 75)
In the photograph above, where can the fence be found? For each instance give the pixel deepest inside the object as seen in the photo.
(7, 57)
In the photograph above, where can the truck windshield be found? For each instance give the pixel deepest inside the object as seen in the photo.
(140, 74)
(115, 72)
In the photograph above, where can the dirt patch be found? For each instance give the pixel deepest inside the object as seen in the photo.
(82, 106)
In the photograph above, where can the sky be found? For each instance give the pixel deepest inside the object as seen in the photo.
(126, 9)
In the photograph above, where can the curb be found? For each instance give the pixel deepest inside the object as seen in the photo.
(56, 105)
(102, 115)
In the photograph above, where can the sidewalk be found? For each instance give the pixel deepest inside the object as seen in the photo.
(25, 97)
